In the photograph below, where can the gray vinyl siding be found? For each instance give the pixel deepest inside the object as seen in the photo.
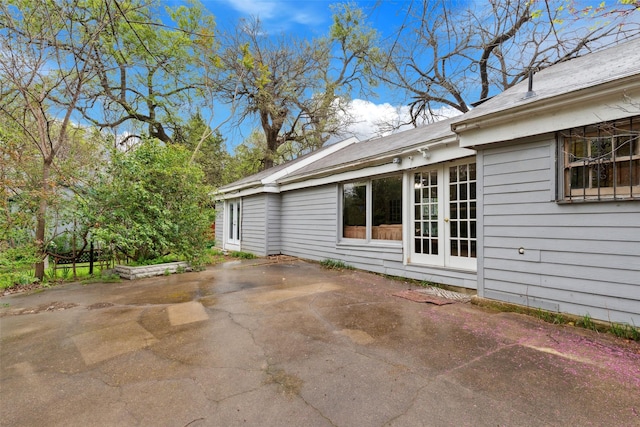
(308, 222)
(253, 227)
(273, 224)
(219, 236)
(581, 258)
(309, 230)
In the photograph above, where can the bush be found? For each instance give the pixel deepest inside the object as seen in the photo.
(243, 255)
(16, 266)
(151, 201)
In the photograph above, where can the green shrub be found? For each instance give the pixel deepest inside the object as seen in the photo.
(149, 202)
(335, 264)
(626, 331)
(243, 255)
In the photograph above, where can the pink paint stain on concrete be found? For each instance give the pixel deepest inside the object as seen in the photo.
(579, 353)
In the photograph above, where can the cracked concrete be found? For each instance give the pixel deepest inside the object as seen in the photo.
(289, 343)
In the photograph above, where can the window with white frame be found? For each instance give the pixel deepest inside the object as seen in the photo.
(372, 209)
(602, 161)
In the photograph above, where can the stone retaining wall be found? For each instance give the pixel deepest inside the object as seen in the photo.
(133, 273)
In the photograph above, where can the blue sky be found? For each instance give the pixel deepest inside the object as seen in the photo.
(304, 17)
(309, 19)
(312, 18)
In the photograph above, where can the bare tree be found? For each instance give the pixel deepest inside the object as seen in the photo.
(447, 55)
(298, 90)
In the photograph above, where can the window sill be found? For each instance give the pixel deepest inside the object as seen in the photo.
(361, 243)
(577, 201)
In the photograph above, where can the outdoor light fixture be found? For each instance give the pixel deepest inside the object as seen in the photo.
(397, 160)
(425, 152)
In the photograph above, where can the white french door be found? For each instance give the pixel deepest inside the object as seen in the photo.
(232, 225)
(444, 216)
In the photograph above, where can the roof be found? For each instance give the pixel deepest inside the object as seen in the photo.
(379, 148)
(607, 65)
(346, 154)
(269, 175)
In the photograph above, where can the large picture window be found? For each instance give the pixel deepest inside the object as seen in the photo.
(602, 161)
(372, 210)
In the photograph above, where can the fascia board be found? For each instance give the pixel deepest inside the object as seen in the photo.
(594, 104)
(409, 163)
(255, 187)
(247, 192)
(412, 159)
(371, 161)
(237, 188)
(312, 158)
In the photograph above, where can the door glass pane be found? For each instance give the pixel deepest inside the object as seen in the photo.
(462, 209)
(426, 212)
(454, 247)
(453, 174)
(231, 220)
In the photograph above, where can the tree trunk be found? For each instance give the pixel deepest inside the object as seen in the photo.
(41, 220)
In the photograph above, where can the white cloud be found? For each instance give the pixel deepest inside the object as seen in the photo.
(280, 14)
(371, 120)
(262, 9)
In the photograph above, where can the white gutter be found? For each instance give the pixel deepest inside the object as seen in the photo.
(312, 158)
(270, 180)
(543, 104)
(371, 160)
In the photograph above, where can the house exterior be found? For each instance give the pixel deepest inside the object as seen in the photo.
(531, 198)
(560, 214)
(368, 204)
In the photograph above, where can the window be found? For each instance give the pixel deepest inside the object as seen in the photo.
(372, 210)
(602, 162)
(354, 210)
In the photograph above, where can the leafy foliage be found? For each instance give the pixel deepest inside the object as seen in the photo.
(151, 202)
(147, 71)
(207, 148)
(16, 264)
(247, 159)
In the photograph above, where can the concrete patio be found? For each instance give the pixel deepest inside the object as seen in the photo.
(286, 342)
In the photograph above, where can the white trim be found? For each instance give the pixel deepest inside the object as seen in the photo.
(308, 160)
(480, 223)
(232, 243)
(444, 259)
(409, 162)
(595, 104)
(407, 215)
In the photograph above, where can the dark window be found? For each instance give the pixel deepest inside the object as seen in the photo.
(384, 212)
(602, 162)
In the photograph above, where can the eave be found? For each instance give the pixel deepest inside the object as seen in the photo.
(545, 108)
